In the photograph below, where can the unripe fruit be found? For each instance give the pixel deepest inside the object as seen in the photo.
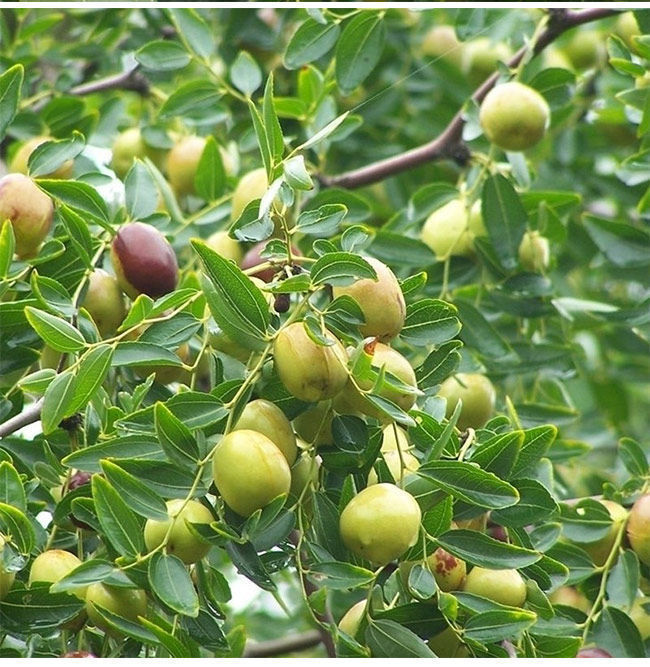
(534, 252)
(448, 571)
(600, 549)
(130, 145)
(514, 116)
(380, 523)
(253, 258)
(451, 229)
(303, 472)
(54, 564)
(381, 302)
(481, 57)
(400, 464)
(554, 57)
(249, 471)
(570, 597)
(394, 438)
(29, 210)
(104, 302)
(6, 578)
(447, 645)
(394, 364)
(182, 542)
(267, 418)
(593, 653)
(229, 248)
(640, 614)
(143, 261)
(638, 528)
(252, 185)
(586, 49)
(627, 28)
(21, 158)
(167, 374)
(478, 397)
(183, 162)
(351, 620)
(309, 371)
(314, 425)
(502, 586)
(129, 603)
(441, 41)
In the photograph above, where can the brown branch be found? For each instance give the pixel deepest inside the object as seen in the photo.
(31, 414)
(131, 79)
(449, 143)
(288, 644)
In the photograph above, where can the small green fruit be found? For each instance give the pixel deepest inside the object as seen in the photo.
(229, 248)
(380, 523)
(481, 57)
(638, 528)
(21, 158)
(502, 586)
(441, 41)
(570, 597)
(640, 614)
(54, 564)
(182, 542)
(514, 117)
(29, 210)
(267, 418)
(447, 645)
(451, 229)
(351, 620)
(394, 438)
(104, 302)
(129, 603)
(249, 471)
(6, 578)
(309, 371)
(314, 425)
(252, 185)
(534, 252)
(303, 472)
(130, 145)
(478, 397)
(144, 261)
(600, 550)
(586, 49)
(400, 465)
(381, 302)
(627, 28)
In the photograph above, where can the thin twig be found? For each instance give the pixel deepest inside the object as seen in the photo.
(289, 644)
(131, 79)
(31, 414)
(449, 144)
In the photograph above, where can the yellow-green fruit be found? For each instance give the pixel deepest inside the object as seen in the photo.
(627, 28)
(380, 523)
(600, 550)
(127, 146)
(181, 542)
(351, 620)
(640, 614)
(229, 248)
(21, 158)
(586, 49)
(441, 41)
(267, 418)
(54, 564)
(249, 471)
(481, 57)
(6, 578)
(50, 358)
(394, 364)
(478, 397)
(29, 210)
(309, 371)
(514, 116)
(303, 472)
(252, 185)
(394, 438)
(554, 57)
(642, 81)
(448, 571)
(534, 252)
(183, 162)
(450, 230)
(104, 301)
(314, 425)
(129, 603)
(638, 528)
(381, 302)
(502, 586)
(400, 465)
(447, 645)
(570, 597)
(167, 374)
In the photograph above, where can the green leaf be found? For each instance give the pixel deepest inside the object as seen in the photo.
(50, 155)
(164, 56)
(77, 195)
(296, 174)
(622, 244)
(311, 41)
(127, 447)
(198, 35)
(341, 268)
(58, 401)
(494, 626)
(11, 83)
(15, 524)
(140, 192)
(359, 49)
(324, 221)
(535, 505)
(633, 457)
(118, 522)
(615, 632)
(271, 123)
(210, 179)
(479, 333)
(388, 639)
(471, 484)
(245, 73)
(623, 580)
(56, 332)
(77, 230)
(7, 247)
(439, 365)
(484, 551)
(430, 322)
(89, 572)
(144, 354)
(170, 581)
(341, 576)
(175, 438)
(93, 368)
(191, 100)
(11, 488)
(135, 493)
(537, 442)
(37, 609)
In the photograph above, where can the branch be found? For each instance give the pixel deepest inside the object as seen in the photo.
(131, 79)
(288, 644)
(31, 414)
(449, 144)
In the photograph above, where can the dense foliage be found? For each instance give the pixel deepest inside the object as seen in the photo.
(414, 412)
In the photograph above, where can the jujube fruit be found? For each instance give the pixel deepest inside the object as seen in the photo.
(351, 620)
(229, 248)
(393, 438)
(303, 472)
(130, 145)
(104, 301)
(586, 49)
(441, 41)
(446, 644)
(400, 464)
(181, 542)
(514, 116)
(54, 564)
(252, 185)
(593, 653)
(309, 371)
(640, 615)
(481, 57)
(638, 528)
(478, 397)
(600, 549)
(167, 374)
(381, 302)
(129, 603)
(534, 252)
(448, 571)
(314, 425)
(249, 471)
(6, 578)
(503, 586)
(21, 158)
(570, 597)
(380, 523)
(451, 229)
(29, 210)
(267, 418)
(144, 261)
(253, 258)
(627, 28)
